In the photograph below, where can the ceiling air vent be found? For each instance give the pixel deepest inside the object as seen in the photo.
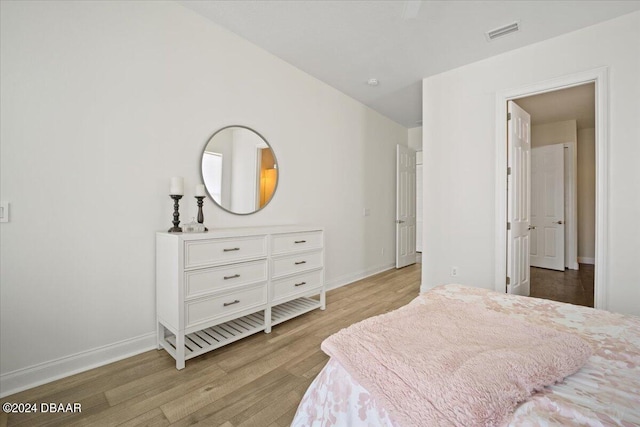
(502, 31)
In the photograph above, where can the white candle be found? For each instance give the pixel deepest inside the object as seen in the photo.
(200, 190)
(177, 186)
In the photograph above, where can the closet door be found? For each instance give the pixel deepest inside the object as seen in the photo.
(547, 207)
(405, 207)
(419, 201)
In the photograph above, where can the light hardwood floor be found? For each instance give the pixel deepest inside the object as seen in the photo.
(257, 381)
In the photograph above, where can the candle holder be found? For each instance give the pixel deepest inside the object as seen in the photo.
(176, 214)
(200, 215)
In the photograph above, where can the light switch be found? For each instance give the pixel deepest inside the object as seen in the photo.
(366, 212)
(4, 211)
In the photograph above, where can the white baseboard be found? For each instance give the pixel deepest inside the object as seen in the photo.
(350, 278)
(26, 378)
(584, 260)
(573, 266)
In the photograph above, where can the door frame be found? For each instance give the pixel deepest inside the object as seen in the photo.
(571, 201)
(599, 76)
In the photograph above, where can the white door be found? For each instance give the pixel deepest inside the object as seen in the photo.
(419, 201)
(518, 199)
(405, 206)
(547, 207)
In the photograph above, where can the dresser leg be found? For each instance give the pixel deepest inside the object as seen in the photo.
(323, 300)
(180, 351)
(267, 320)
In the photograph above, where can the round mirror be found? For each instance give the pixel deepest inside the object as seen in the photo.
(239, 170)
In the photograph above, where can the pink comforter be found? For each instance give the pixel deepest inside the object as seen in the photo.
(451, 363)
(605, 392)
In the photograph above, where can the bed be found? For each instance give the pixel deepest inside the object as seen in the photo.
(603, 389)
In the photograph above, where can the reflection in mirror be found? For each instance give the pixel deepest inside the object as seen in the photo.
(239, 170)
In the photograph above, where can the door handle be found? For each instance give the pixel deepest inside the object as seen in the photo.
(532, 227)
(399, 221)
(559, 222)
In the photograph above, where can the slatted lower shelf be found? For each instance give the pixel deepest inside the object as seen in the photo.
(208, 339)
(211, 338)
(290, 309)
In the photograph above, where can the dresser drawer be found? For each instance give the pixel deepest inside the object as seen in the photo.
(289, 242)
(298, 284)
(198, 253)
(203, 281)
(223, 305)
(296, 263)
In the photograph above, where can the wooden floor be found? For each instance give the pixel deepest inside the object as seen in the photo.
(257, 381)
(572, 286)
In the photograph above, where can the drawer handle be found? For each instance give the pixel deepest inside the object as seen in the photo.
(231, 249)
(300, 284)
(231, 277)
(300, 241)
(231, 303)
(300, 262)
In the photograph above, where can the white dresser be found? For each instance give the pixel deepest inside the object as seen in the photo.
(217, 287)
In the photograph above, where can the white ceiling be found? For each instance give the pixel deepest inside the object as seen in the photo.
(344, 43)
(576, 103)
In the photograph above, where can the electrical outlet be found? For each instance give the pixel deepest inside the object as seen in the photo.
(366, 212)
(454, 271)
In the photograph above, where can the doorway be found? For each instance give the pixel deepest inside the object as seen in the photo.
(598, 78)
(562, 193)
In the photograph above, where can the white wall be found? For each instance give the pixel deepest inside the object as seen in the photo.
(415, 138)
(586, 194)
(415, 142)
(103, 102)
(554, 133)
(459, 153)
